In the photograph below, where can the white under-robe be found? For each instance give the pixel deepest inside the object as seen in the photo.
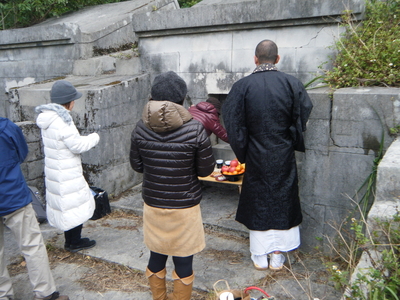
(265, 242)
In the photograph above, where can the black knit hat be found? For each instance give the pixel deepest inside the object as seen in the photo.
(215, 102)
(63, 92)
(169, 86)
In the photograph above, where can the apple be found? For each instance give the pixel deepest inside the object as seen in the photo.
(234, 163)
(224, 169)
(232, 169)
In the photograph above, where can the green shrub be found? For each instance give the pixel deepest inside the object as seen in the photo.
(24, 13)
(187, 3)
(368, 53)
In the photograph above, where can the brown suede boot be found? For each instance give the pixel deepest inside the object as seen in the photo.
(157, 284)
(182, 287)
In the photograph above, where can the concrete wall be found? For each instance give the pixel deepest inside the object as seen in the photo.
(342, 139)
(211, 45)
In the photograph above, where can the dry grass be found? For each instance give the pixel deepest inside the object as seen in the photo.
(101, 276)
(217, 255)
(135, 221)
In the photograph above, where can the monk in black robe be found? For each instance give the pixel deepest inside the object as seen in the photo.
(265, 114)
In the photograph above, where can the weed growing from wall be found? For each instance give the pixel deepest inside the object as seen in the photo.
(368, 52)
(381, 280)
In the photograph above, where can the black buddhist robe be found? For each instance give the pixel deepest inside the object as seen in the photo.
(260, 113)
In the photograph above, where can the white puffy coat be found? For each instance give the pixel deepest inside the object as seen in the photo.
(69, 199)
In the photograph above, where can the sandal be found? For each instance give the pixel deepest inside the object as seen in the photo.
(276, 261)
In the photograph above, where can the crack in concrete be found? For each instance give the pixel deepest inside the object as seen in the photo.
(313, 38)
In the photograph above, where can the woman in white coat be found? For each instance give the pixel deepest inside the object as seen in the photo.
(70, 202)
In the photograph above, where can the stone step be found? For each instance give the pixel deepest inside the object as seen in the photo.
(120, 63)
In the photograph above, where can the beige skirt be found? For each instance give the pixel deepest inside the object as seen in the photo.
(175, 232)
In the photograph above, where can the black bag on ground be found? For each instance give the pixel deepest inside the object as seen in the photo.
(102, 203)
(37, 205)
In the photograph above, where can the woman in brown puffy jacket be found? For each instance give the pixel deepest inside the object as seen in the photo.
(207, 113)
(171, 150)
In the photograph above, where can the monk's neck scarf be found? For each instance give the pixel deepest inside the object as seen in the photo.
(265, 67)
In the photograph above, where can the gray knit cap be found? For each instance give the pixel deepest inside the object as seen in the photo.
(169, 86)
(63, 92)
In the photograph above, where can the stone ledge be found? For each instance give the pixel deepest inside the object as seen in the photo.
(243, 15)
(32, 37)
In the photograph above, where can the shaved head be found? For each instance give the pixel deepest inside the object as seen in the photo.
(266, 52)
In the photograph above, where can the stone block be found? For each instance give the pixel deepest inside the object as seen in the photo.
(344, 184)
(33, 95)
(122, 138)
(251, 38)
(160, 62)
(321, 99)
(388, 176)
(360, 116)
(94, 66)
(335, 220)
(315, 178)
(60, 33)
(33, 170)
(310, 229)
(311, 59)
(220, 83)
(38, 69)
(383, 210)
(35, 152)
(30, 130)
(116, 179)
(301, 37)
(207, 42)
(242, 61)
(142, 88)
(128, 66)
(206, 62)
(288, 62)
(317, 135)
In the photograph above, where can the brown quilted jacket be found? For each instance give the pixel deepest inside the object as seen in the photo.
(171, 150)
